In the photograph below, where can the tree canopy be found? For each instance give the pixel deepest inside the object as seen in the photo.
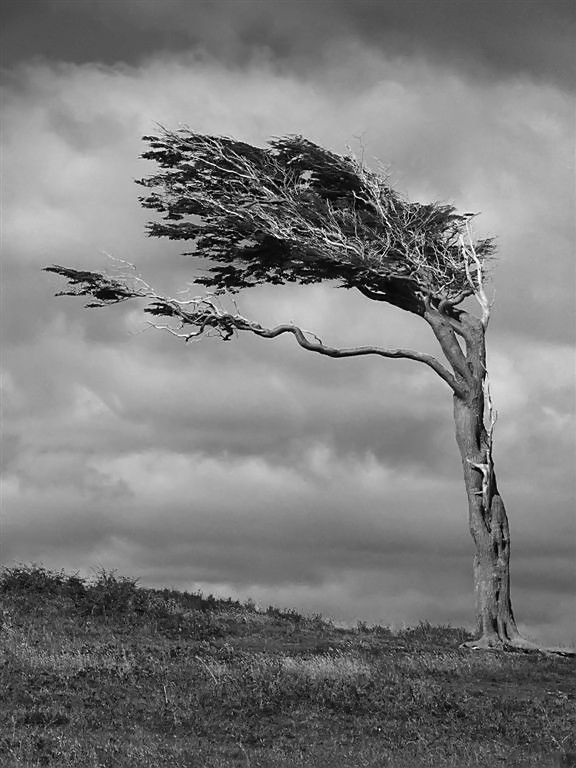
(296, 212)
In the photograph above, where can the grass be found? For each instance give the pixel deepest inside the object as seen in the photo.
(107, 674)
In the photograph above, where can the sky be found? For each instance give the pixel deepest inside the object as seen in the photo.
(252, 468)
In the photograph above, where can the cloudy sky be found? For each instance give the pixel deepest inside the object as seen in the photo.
(253, 468)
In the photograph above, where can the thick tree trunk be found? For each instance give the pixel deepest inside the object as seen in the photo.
(488, 526)
(474, 419)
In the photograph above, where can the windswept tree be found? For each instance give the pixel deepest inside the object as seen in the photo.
(295, 212)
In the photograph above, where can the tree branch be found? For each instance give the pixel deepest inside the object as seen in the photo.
(322, 349)
(447, 304)
(445, 333)
(296, 212)
(476, 279)
(204, 314)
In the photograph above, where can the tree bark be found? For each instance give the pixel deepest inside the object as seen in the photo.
(462, 339)
(488, 522)
(474, 419)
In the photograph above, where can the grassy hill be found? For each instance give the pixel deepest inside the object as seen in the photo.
(107, 674)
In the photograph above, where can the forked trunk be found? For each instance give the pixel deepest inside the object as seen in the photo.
(488, 526)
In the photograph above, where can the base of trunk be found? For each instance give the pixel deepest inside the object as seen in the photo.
(516, 643)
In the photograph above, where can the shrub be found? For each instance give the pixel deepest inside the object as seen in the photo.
(35, 580)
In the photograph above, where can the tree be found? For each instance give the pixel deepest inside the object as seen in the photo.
(295, 212)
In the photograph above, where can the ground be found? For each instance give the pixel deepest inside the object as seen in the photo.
(106, 674)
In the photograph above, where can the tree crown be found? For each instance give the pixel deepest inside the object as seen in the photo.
(294, 211)
(297, 212)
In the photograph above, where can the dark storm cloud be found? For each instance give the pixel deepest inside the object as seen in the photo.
(488, 38)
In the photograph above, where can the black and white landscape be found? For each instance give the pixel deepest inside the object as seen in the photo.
(251, 468)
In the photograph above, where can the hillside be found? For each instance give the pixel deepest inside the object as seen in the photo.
(110, 675)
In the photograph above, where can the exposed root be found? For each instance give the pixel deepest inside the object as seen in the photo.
(514, 644)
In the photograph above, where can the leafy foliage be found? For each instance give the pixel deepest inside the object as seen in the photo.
(297, 212)
(101, 287)
(292, 212)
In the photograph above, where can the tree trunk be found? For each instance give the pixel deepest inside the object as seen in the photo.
(474, 418)
(488, 525)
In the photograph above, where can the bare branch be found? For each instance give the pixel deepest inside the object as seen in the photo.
(476, 279)
(450, 303)
(444, 329)
(186, 336)
(204, 314)
(323, 349)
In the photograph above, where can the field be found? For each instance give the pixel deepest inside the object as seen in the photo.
(106, 674)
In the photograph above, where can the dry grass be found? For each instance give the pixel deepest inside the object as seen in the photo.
(110, 676)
